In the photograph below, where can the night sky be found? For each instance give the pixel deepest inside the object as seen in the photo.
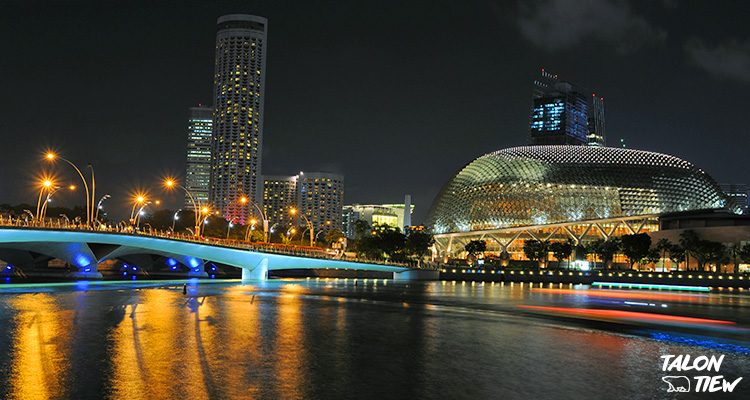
(395, 95)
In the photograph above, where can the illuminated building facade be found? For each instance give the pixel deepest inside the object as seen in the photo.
(239, 92)
(320, 197)
(392, 215)
(561, 114)
(577, 192)
(279, 196)
(560, 117)
(198, 169)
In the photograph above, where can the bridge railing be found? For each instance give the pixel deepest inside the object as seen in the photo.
(262, 247)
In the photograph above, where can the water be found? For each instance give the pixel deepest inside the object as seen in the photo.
(325, 339)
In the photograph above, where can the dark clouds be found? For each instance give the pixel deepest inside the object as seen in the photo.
(729, 60)
(561, 24)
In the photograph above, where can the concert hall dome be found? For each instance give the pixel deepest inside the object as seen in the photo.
(537, 185)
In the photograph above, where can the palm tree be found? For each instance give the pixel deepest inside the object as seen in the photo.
(663, 246)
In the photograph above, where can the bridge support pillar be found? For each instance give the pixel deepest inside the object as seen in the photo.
(260, 272)
(88, 272)
(417, 275)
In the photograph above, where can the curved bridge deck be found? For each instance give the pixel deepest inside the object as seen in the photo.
(84, 249)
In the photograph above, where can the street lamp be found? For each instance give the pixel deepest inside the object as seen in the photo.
(250, 227)
(175, 218)
(51, 157)
(99, 206)
(230, 225)
(171, 183)
(140, 213)
(45, 185)
(310, 226)
(263, 215)
(43, 211)
(138, 199)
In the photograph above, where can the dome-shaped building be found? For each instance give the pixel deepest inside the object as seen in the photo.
(538, 185)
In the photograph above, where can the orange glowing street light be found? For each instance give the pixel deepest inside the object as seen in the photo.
(172, 183)
(50, 193)
(263, 215)
(46, 184)
(310, 226)
(51, 156)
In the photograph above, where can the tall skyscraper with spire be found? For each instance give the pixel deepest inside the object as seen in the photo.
(239, 93)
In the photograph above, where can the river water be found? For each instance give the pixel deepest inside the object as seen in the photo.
(327, 339)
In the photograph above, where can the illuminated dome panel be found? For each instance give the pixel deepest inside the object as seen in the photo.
(534, 185)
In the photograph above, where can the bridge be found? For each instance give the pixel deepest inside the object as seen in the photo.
(84, 249)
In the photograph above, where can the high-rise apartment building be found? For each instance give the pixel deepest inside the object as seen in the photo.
(561, 114)
(198, 169)
(279, 196)
(320, 197)
(239, 92)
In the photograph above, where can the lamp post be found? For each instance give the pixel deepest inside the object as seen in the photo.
(250, 227)
(137, 200)
(175, 218)
(46, 185)
(263, 216)
(140, 212)
(99, 207)
(310, 226)
(51, 156)
(171, 183)
(43, 211)
(230, 225)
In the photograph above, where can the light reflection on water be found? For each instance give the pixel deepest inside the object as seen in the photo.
(325, 339)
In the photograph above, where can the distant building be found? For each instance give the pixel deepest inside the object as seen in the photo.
(279, 196)
(596, 136)
(320, 196)
(392, 215)
(239, 92)
(198, 169)
(561, 114)
(348, 217)
(737, 199)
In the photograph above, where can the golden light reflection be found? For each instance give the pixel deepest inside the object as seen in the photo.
(41, 347)
(289, 342)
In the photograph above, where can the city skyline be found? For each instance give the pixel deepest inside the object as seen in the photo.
(312, 121)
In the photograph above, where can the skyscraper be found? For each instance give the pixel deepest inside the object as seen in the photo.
(198, 169)
(239, 92)
(596, 136)
(561, 114)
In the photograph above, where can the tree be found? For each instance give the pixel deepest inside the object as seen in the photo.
(333, 235)
(418, 243)
(676, 254)
(689, 241)
(743, 255)
(607, 249)
(536, 250)
(475, 247)
(561, 251)
(635, 247)
(662, 246)
(361, 229)
(653, 256)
